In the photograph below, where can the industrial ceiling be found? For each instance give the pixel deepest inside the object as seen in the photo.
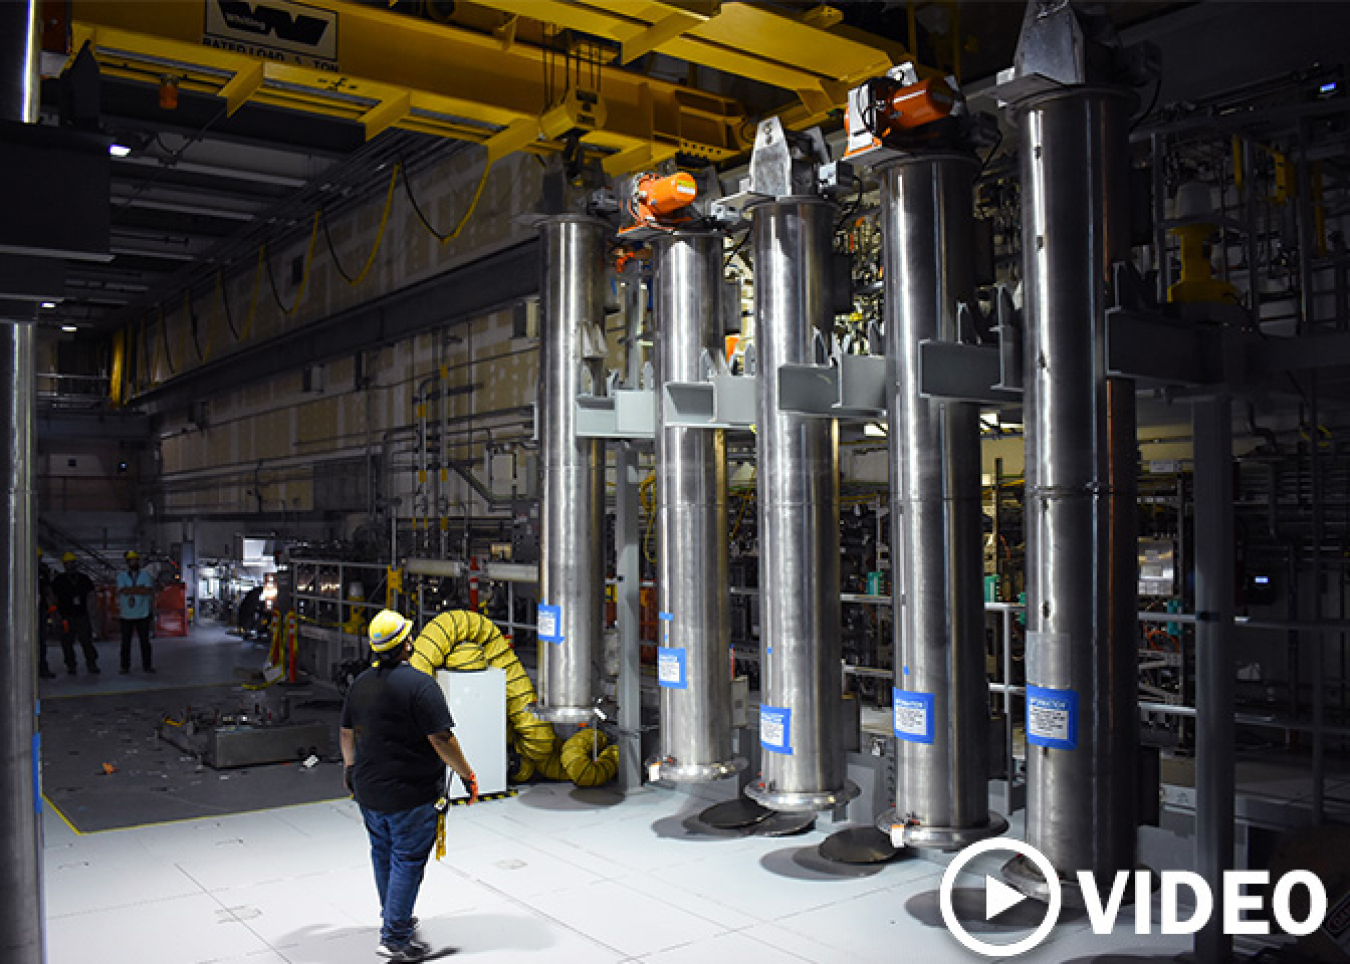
(233, 121)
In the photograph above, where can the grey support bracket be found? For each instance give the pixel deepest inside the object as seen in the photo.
(724, 401)
(623, 414)
(853, 388)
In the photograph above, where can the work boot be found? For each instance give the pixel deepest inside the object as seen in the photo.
(411, 951)
(45, 673)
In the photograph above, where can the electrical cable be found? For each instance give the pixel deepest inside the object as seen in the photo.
(984, 166)
(417, 209)
(192, 324)
(736, 250)
(379, 237)
(304, 272)
(164, 337)
(220, 291)
(1153, 102)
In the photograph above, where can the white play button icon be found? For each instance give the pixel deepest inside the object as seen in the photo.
(998, 897)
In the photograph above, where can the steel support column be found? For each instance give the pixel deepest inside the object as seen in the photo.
(694, 627)
(942, 711)
(803, 766)
(1215, 670)
(21, 912)
(627, 547)
(1082, 725)
(571, 571)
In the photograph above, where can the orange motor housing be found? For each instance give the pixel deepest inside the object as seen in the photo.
(918, 104)
(664, 195)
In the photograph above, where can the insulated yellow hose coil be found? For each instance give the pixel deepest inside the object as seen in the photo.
(459, 641)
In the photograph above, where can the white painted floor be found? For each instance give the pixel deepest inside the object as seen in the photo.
(569, 877)
(539, 877)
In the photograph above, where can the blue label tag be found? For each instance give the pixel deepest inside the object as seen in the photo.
(775, 729)
(670, 668)
(913, 715)
(1052, 718)
(550, 623)
(665, 620)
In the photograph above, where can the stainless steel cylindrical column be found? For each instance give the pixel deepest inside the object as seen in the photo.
(941, 715)
(801, 680)
(1082, 725)
(571, 569)
(21, 913)
(693, 659)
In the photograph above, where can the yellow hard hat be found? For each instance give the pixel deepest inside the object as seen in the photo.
(388, 630)
(68, 557)
(132, 554)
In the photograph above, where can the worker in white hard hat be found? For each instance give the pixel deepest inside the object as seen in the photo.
(397, 738)
(135, 592)
(74, 594)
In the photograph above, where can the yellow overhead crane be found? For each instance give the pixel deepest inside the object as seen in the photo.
(384, 69)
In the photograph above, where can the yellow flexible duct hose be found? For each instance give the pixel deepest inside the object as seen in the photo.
(460, 641)
(588, 758)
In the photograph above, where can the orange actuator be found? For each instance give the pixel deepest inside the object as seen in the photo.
(658, 196)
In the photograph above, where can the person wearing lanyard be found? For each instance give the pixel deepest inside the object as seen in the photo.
(135, 589)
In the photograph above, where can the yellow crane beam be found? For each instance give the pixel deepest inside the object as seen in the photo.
(381, 69)
(745, 39)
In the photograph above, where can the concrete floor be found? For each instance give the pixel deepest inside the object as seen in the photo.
(556, 874)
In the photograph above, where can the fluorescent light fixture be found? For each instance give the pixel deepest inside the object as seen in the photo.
(49, 304)
(874, 430)
(69, 328)
(118, 150)
(1329, 88)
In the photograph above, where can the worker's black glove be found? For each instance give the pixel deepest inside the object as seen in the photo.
(347, 780)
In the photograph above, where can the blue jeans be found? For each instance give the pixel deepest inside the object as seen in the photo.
(400, 844)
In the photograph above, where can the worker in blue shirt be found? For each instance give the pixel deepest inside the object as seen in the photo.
(135, 590)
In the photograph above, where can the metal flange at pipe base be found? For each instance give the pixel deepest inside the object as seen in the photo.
(797, 801)
(947, 839)
(576, 715)
(677, 772)
(1025, 878)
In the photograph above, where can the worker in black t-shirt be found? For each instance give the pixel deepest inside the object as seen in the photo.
(73, 590)
(397, 739)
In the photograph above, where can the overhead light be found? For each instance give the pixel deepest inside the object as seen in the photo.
(874, 430)
(118, 150)
(1328, 88)
(69, 328)
(49, 304)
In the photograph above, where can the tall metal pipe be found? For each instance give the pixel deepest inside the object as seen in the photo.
(693, 660)
(21, 913)
(1082, 726)
(571, 570)
(1215, 666)
(798, 492)
(941, 694)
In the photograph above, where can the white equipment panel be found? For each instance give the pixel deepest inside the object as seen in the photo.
(478, 703)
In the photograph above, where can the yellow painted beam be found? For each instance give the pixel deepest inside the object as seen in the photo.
(657, 34)
(512, 139)
(782, 39)
(245, 83)
(388, 113)
(455, 79)
(743, 39)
